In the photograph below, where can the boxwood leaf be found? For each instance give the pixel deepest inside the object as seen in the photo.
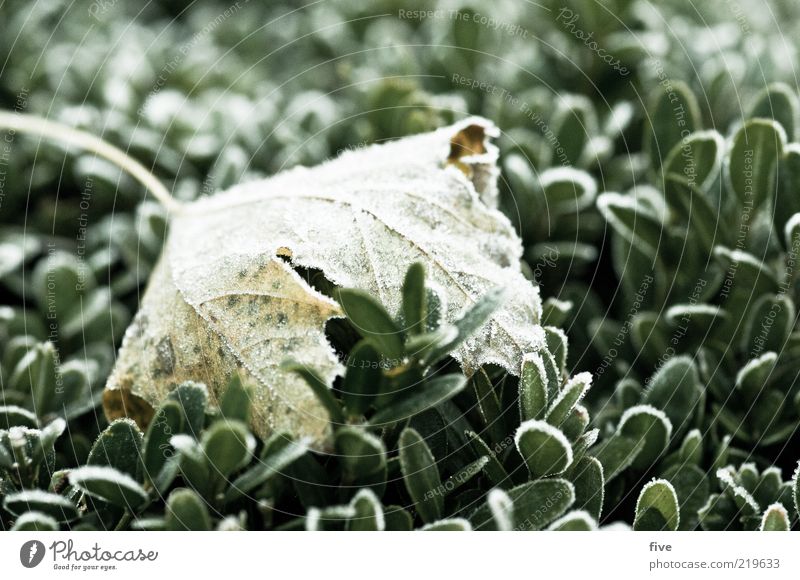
(757, 146)
(787, 202)
(675, 389)
(448, 525)
(618, 453)
(536, 504)
(533, 387)
(420, 475)
(109, 484)
(193, 398)
(657, 507)
(35, 522)
(587, 476)
(280, 451)
(775, 519)
(167, 421)
(415, 306)
(569, 396)
(574, 521)
(493, 468)
(557, 345)
(544, 448)
(228, 446)
(371, 320)
(397, 519)
(186, 511)
(433, 392)
(501, 507)
(567, 190)
(16, 416)
(362, 381)
(778, 101)
(769, 324)
(360, 453)
(555, 311)
(697, 158)
(34, 500)
(633, 220)
(694, 210)
(671, 114)
(119, 446)
(235, 403)
(367, 513)
(752, 378)
(692, 489)
(644, 422)
(320, 389)
(796, 489)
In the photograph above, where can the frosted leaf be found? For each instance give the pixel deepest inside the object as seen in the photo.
(225, 295)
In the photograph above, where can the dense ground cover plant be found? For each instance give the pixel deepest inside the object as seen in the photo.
(658, 214)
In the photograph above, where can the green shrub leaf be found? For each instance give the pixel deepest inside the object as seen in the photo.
(544, 448)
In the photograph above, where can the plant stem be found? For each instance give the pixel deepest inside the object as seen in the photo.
(50, 129)
(124, 521)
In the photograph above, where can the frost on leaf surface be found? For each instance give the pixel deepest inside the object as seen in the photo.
(225, 296)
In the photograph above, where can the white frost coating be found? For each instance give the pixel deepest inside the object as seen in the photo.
(725, 475)
(41, 496)
(369, 495)
(677, 311)
(648, 410)
(791, 226)
(583, 179)
(536, 360)
(548, 429)
(769, 358)
(362, 219)
(315, 515)
(502, 508)
(772, 509)
(463, 524)
(581, 515)
(707, 135)
(670, 489)
(738, 256)
(581, 378)
(591, 437)
(78, 476)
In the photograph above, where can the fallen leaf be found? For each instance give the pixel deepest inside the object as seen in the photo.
(225, 297)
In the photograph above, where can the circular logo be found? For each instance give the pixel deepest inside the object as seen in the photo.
(31, 553)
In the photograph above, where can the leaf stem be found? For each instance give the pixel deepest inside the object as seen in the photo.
(124, 521)
(34, 125)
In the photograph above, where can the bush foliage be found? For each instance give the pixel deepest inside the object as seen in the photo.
(650, 163)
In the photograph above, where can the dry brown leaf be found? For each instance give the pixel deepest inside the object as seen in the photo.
(225, 297)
